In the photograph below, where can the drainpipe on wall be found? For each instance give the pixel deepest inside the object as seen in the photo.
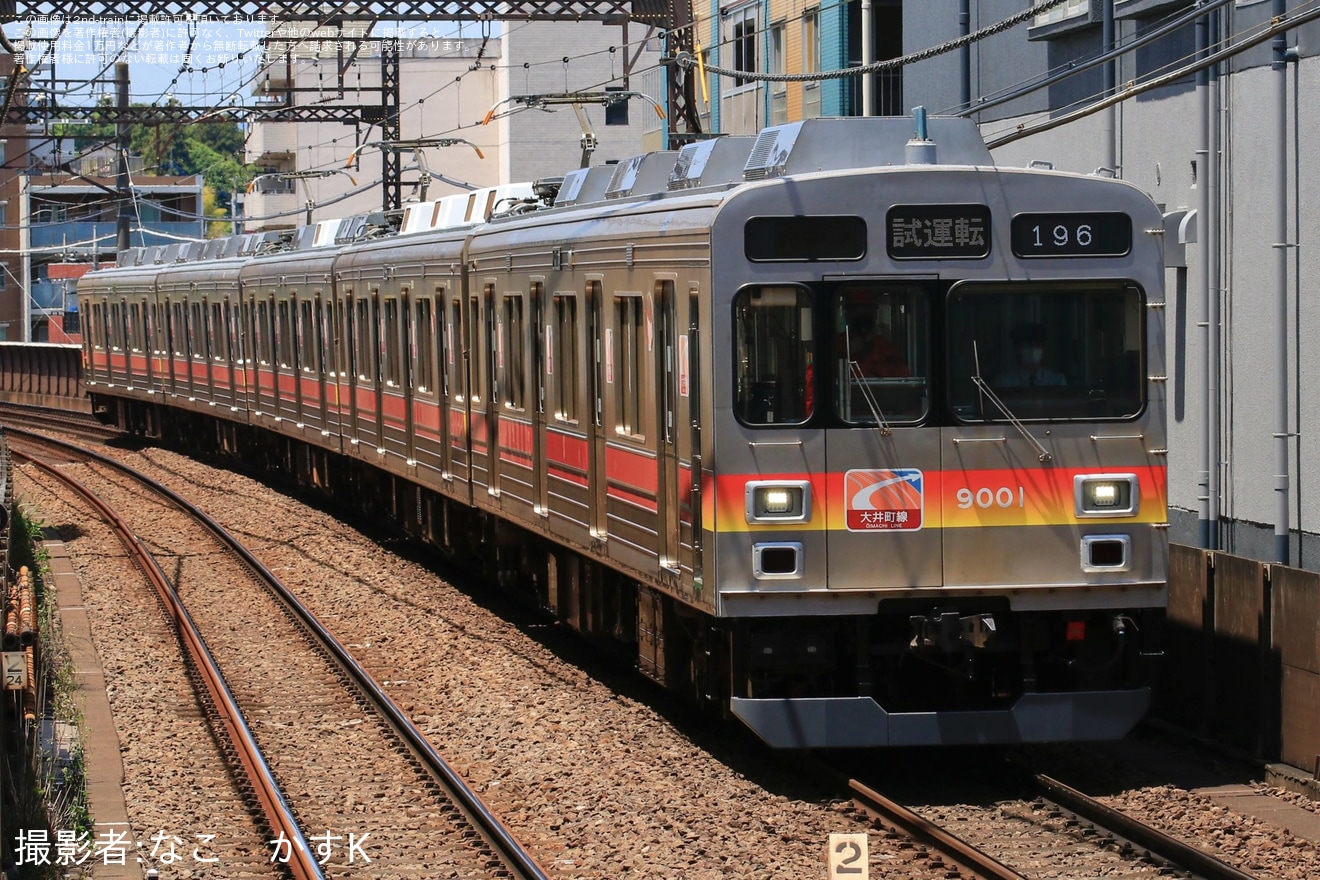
(868, 56)
(965, 53)
(1279, 106)
(1110, 115)
(1204, 518)
(1213, 237)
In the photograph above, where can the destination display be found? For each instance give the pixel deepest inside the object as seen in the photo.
(937, 232)
(1072, 234)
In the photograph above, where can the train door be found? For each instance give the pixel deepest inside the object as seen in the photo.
(689, 390)
(379, 352)
(457, 393)
(287, 380)
(596, 447)
(156, 328)
(536, 359)
(234, 347)
(214, 344)
(299, 362)
(266, 379)
(366, 373)
(345, 364)
(144, 320)
(484, 392)
(97, 354)
(512, 458)
(324, 360)
(135, 355)
(405, 354)
(118, 346)
(884, 465)
(667, 469)
(424, 412)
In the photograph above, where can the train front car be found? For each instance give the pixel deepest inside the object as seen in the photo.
(940, 503)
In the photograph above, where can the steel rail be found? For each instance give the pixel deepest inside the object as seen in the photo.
(302, 863)
(469, 803)
(1171, 849)
(966, 856)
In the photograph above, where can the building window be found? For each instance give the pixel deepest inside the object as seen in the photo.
(617, 112)
(778, 90)
(1068, 9)
(742, 39)
(811, 62)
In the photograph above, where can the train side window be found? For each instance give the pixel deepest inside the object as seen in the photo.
(135, 324)
(196, 330)
(627, 373)
(180, 332)
(773, 355)
(362, 328)
(512, 353)
(348, 350)
(325, 333)
(219, 333)
(284, 333)
(477, 379)
(227, 310)
(306, 338)
(453, 355)
(423, 347)
(265, 350)
(562, 352)
(392, 368)
(317, 330)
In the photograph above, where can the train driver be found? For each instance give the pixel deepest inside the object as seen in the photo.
(867, 344)
(1029, 366)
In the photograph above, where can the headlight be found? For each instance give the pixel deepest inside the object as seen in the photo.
(778, 502)
(1106, 495)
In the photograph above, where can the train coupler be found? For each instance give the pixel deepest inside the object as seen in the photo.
(950, 631)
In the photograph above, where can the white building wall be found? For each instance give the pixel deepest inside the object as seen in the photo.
(540, 143)
(1157, 138)
(440, 96)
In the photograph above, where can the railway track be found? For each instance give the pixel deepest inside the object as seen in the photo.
(44, 418)
(356, 780)
(1058, 833)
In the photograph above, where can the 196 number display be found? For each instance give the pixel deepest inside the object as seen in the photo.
(1092, 234)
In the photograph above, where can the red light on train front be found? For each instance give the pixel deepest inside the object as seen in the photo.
(1076, 631)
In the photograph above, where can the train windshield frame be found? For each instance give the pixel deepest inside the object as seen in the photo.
(1045, 351)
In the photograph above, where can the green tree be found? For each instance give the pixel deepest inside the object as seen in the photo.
(212, 148)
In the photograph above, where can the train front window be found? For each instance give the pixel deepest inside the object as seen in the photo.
(1055, 351)
(773, 354)
(881, 352)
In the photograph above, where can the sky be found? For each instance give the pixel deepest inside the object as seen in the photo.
(198, 64)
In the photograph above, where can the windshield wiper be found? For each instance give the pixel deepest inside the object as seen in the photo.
(855, 373)
(984, 387)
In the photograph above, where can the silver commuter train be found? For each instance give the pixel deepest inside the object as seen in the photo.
(648, 405)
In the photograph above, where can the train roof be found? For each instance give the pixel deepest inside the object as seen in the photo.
(711, 165)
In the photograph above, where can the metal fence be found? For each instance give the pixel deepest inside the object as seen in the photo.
(43, 375)
(1242, 661)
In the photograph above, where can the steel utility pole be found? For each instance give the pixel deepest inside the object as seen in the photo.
(122, 144)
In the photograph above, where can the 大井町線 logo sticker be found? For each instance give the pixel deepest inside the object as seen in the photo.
(888, 499)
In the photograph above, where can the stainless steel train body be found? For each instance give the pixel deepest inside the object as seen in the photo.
(649, 403)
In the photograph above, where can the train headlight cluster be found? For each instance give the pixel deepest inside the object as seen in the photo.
(1105, 495)
(778, 502)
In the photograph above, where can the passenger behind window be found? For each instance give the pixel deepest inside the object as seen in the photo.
(866, 344)
(1029, 369)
